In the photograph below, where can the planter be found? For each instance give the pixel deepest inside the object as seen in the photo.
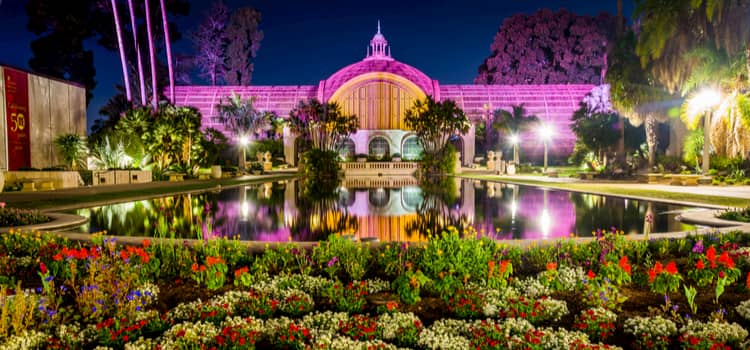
(361, 160)
(216, 171)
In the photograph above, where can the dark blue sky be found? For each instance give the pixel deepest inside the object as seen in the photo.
(306, 41)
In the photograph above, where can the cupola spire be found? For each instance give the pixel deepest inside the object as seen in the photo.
(379, 49)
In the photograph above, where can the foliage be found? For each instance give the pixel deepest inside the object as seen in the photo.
(595, 125)
(243, 41)
(408, 286)
(321, 167)
(109, 154)
(548, 48)
(209, 41)
(241, 117)
(12, 217)
(692, 148)
(324, 124)
(63, 31)
(435, 123)
(348, 298)
(73, 149)
(208, 148)
(742, 215)
(513, 123)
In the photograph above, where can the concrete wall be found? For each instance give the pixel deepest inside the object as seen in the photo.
(55, 107)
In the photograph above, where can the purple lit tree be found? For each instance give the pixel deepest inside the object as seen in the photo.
(121, 49)
(548, 48)
(134, 29)
(168, 46)
(209, 40)
(244, 39)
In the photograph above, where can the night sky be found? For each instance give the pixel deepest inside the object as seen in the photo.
(306, 41)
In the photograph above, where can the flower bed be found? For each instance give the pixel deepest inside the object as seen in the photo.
(12, 217)
(449, 293)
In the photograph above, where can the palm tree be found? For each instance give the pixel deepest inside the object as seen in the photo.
(512, 123)
(634, 93)
(152, 55)
(242, 118)
(141, 79)
(121, 48)
(168, 47)
(73, 149)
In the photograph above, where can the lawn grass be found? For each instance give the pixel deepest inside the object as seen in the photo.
(617, 190)
(84, 199)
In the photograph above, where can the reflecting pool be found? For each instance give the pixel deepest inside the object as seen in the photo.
(389, 209)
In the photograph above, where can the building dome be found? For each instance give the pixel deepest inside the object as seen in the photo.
(378, 60)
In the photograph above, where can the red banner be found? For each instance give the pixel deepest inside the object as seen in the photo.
(17, 116)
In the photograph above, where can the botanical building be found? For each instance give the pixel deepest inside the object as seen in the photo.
(379, 89)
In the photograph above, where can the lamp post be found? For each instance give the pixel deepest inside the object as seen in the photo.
(243, 145)
(514, 140)
(545, 133)
(706, 100)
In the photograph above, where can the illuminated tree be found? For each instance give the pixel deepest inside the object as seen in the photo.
(512, 123)
(209, 41)
(324, 124)
(435, 122)
(243, 42)
(548, 48)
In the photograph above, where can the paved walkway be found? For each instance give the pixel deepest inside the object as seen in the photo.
(11, 198)
(708, 190)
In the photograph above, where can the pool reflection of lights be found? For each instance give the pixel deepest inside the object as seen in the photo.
(545, 222)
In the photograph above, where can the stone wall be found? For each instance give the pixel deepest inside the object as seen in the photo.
(55, 107)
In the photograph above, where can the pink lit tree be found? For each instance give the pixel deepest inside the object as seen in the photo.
(139, 59)
(121, 49)
(548, 48)
(168, 47)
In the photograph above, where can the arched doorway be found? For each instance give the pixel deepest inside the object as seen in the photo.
(458, 144)
(379, 148)
(411, 149)
(346, 149)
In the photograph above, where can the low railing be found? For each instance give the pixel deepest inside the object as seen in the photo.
(380, 168)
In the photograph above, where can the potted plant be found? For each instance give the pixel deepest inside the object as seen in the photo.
(361, 158)
(396, 157)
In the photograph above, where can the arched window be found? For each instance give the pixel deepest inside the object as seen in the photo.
(346, 149)
(379, 197)
(379, 147)
(411, 149)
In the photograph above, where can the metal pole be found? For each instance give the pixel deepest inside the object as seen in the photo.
(706, 141)
(545, 156)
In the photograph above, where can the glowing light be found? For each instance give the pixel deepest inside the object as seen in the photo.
(245, 209)
(546, 132)
(244, 140)
(545, 222)
(514, 139)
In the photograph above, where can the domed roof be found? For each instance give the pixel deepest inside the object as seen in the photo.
(378, 60)
(335, 81)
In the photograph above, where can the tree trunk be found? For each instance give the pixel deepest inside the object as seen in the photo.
(152, 54)
(118, 30)
(168, 47)
(650, 126)
(621, 120)
(141, 78)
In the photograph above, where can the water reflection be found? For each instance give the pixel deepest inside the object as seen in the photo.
(386, 209)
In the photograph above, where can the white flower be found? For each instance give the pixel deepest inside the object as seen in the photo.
(721, 331)
(27, 340)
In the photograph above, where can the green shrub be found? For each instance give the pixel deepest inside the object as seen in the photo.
(10, 217)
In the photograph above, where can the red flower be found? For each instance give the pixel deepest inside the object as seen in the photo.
(194, 267)
(551, 266)
(591, 275)
(239, 272)
(671, 268)
(624, 264)
(43, 268)
(711, 256)
(747, 282)
(699, 265)
(721, 274)
(146, 243)
(57, 257)
(726, 260)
